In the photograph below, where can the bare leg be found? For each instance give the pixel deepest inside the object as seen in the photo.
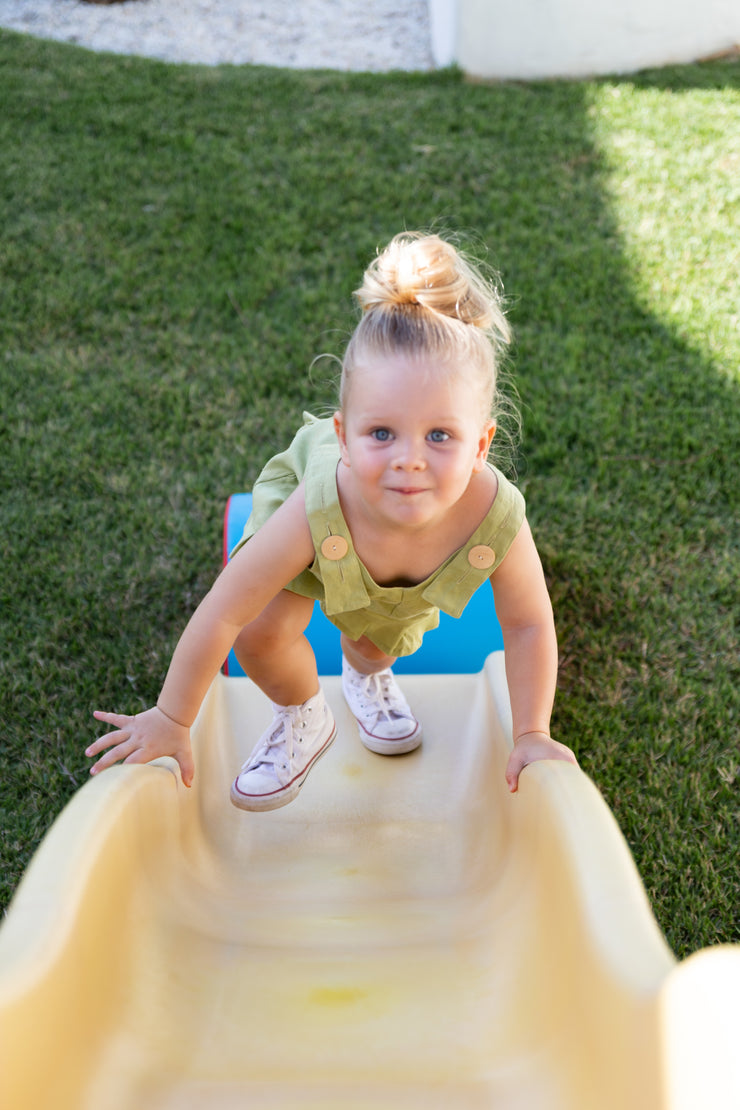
(275, 653)
(364, 656)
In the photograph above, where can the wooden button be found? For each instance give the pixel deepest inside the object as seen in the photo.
(334, 547)
(481, 556)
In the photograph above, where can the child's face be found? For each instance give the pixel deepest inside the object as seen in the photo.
(413, 436)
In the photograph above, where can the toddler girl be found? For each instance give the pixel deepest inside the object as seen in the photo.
(386, 513)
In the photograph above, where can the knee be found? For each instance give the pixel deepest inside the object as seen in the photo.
(364, 656)
(246, 643)
(258, 639)
(274, 630)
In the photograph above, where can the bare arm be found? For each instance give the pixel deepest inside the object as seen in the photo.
(273, 557)
(525, 613)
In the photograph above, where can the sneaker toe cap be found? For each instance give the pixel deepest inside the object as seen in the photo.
(394, 729)
(255, 784)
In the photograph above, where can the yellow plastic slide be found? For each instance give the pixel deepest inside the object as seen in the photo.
(405, 934)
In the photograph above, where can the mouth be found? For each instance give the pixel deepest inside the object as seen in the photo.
(408, 491)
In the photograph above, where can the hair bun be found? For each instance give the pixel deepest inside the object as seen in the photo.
(425, 270)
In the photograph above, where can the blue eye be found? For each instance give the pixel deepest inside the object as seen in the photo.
(438, 436)
(382, 435)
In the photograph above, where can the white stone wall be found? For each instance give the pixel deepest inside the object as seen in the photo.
(578, 38)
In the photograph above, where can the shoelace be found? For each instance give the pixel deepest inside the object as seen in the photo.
(276, 750)
(379, 693)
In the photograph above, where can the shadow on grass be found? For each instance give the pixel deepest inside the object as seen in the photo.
(181, 242)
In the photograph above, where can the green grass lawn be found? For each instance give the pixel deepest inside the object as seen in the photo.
(178, 243)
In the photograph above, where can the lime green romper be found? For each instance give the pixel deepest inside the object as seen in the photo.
(394, 618)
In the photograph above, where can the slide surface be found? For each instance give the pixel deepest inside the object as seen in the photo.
(405, 934)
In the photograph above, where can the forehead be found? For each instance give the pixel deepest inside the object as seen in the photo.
(411, 400)
(400, 380)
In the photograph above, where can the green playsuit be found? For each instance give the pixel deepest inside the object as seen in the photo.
(394, 618)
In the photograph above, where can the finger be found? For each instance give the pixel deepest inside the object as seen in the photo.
(138, 755)
(118, 720)
(114, 755)
(187, 768)
(569, 756)
(107, 740)
(514, 768)
(121, 721)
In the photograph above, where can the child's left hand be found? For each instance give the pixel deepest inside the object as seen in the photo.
(530, 748)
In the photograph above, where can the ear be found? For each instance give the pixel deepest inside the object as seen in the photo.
(484, 445)
(340, 430)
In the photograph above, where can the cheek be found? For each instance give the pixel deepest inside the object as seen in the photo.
(368, 465)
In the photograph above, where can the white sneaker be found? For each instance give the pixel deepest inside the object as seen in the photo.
(387, 725)
(277, 768)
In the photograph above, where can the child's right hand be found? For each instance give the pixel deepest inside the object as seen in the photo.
(140, 739)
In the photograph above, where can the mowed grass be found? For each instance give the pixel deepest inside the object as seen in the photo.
(178, 245)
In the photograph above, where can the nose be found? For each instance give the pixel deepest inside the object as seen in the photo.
(409, 455)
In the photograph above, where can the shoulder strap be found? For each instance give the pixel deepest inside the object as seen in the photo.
(338, 564)
(476, 561)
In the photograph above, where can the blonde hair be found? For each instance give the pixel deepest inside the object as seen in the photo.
(421, 297)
